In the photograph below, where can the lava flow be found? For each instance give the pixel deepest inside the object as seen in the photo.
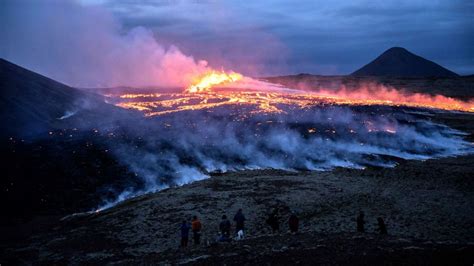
(216, 89)
(229, 122)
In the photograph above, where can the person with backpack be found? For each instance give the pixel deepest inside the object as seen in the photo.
(196, 227)
(273, 222)
(360, 222)
(239, 220)
(293, 223)
(184, 234)
(382, 227)
(224, 227)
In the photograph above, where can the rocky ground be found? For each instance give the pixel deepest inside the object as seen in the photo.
(427, 206)
(328, 249)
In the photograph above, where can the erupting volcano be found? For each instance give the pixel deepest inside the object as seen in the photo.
(207, 81)
(216, 89)
(227, 121)
(130, 128)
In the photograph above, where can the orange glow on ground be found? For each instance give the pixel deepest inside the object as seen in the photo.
(269, 102)
(218, 88)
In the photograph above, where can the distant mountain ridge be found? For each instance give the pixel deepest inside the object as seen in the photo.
(398, 61)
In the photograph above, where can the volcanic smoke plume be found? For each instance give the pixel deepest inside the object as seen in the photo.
(188, 136)
(85, 46)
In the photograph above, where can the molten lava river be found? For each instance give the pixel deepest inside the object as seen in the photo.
(226, 122)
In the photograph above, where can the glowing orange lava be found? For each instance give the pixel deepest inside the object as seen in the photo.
(271, 102)
(212, 78)
(208, 93)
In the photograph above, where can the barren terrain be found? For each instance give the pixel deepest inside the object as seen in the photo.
(427, 206)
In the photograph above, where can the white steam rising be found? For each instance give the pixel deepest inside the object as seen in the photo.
(85, 46)
(183, 147)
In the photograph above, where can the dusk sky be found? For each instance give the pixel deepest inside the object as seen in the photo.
(63, 39)
(325, 37)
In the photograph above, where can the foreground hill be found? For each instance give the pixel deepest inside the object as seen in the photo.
(54, 148)
(398, 61)
(32, 104)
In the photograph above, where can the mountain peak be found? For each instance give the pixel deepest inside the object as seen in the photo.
(396, 48)
(398, 61)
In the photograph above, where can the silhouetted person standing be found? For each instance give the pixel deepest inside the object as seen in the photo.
(224, 227)
(360, 222)
(273, 221)
(239, 220)
(293, 223)
(196, 227)
(382, 227)
(184, 234)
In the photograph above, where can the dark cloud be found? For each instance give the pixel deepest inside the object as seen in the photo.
(333, 37)
(325, 37)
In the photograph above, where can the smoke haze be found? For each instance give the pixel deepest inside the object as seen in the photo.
(182, 147)
(85, 46)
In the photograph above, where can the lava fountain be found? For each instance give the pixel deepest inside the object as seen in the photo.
(205, 82)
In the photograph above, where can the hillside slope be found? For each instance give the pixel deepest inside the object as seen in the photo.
(31, 103)
(54, 144)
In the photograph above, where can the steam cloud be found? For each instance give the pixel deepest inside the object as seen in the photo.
(84, 46)
(187, 146)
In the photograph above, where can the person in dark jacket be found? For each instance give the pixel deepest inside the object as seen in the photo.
(224, 227)
(196, 228)
(273, 221)
(382, 227)
(184, 234)
(293, 223)
(360, 222)
(239, 220)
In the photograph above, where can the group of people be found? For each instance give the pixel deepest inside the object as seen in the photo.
(196, 227)
(382, 228)
(225, 225)
(224, 228)
(273, 221)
